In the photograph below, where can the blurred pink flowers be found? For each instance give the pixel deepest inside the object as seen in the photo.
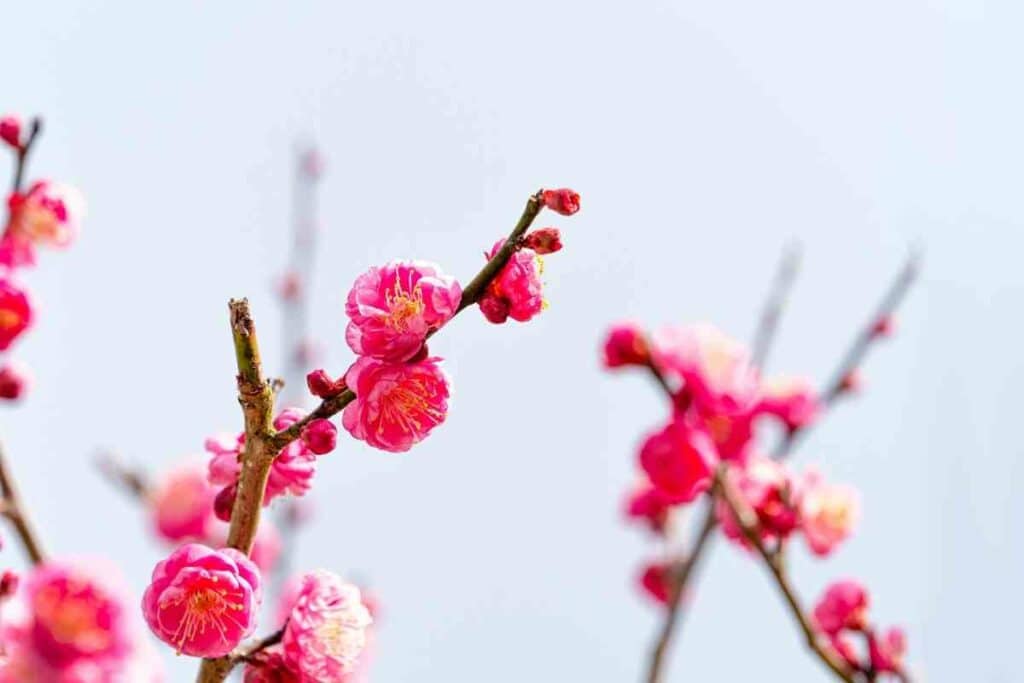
(181, 503)
(625, 345)
(843, 606)
(828, 513)
(679, 460)
(15, 312)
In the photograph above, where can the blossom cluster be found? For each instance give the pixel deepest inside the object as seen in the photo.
(45, 214)
(718, 404)
(841, 614)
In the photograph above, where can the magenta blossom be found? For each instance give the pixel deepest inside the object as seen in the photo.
(15, 312)
(48, 213)
(768, 488)
(626, 344)
(392, 308)
(396, 405)
(650, 505)
(655, 580)
(843, 606)
(791, 400)
(15, 380)
(516, 291)
(679, 460)
(326, 630)
(202, 601)
(828, 513)
(887, 650)
(181, 503)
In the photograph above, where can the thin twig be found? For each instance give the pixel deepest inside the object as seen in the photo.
(21, 159)
(747, 521)
(248, 653)
(17, 513)
(132, 480)
(862, 342)
(768, 323)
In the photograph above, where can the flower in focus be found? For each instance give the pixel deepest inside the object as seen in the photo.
(828, 513)
(203, 601)
(769, 490)
(678, 460)
(396, 405)
(15, 380)
(15, 312)
(626, 344)
(516, 291)
(887, 650)
(792, 400)
(392, 308)
(843, 606)
(181, 503)
(326, 631)
(563, 200)
(48, 213)
(650, 505)
(655, 581)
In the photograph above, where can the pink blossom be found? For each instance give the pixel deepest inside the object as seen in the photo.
(845, 648)
(326, 630)
(10, 130)
(828, 513)
(887, 650)
(396, 405)
(15, 380)
(516, 291)
(320, 436)
(655, 580)
(843, 606)
(392, 308)
(678, 459)
(15, 312)
(181, 503)
(563, 200)
(768, 488)
(626, 344)
(48, 213)
(203, 601)
(792, 400)
(650, 505)
(544, 241)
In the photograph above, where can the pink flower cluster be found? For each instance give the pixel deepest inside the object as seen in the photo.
(69, 625)
(45, 214)
(326, 629)
(841, 613)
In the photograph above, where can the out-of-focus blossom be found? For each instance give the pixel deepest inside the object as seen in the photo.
(10, 130)
(790, 399)
(843, 606)
(563, 200)
(326, 631)
(9, 582)
(650, 505)
(517, 291)
(655, 580)
(202, 601)
(679, 460)
(544, 241)
(15, 380)
(828, 513)
(887, 650)
(47, 213)
(15, 312)
(392, 308)
(181, 503)
(289, 287)
(396, 405)
(626, 344)
(768, 488)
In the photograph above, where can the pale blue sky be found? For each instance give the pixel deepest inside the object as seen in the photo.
(703, 136)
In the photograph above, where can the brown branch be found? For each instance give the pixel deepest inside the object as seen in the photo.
(860, 346)
(132, 480)
(747, 521)
(21, 160)
(15, 511)
(248, 653)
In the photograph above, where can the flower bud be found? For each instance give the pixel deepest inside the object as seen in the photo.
(563, 201)
(8, 584)
(321, 436)
(10, 131)
(14, 381)
(322, 386)
(544, 241)
(626, 344)
(494, 309)
(224, 503)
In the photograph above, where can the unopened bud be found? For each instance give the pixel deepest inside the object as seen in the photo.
(544, 241)
(321, 436)
(10, 131)
(224, 503)
(322, 386)
(563, 200)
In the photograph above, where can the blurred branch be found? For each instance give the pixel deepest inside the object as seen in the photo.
(15, 511)
(23, 152)
(768, 323)
(117, 472)
(747, 521)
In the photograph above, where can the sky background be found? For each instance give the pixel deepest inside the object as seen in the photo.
(703, 138)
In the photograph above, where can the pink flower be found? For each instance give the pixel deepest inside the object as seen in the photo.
(15, 312)
(396, 406)
(626, 344)
(544, 241)
(846, 650)
(48, 213)
(678, 460)
(181, 503)
(392, 308)
(75, 617)
(563, 201)
(203, 601)
(15, 380)
(843, 606)
(655, 580)
(792, 400)
(769, 490)
(292, 471)
(828, 513)
(320, 436)
(887, 650)
(270, 666)
(650, 505)
(326, 631)
(10, 130)
(516, 291)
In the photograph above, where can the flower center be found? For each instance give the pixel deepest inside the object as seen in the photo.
(403, 306)
(205, 608)
(406, 405)
(71, 620)
(9, 319)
